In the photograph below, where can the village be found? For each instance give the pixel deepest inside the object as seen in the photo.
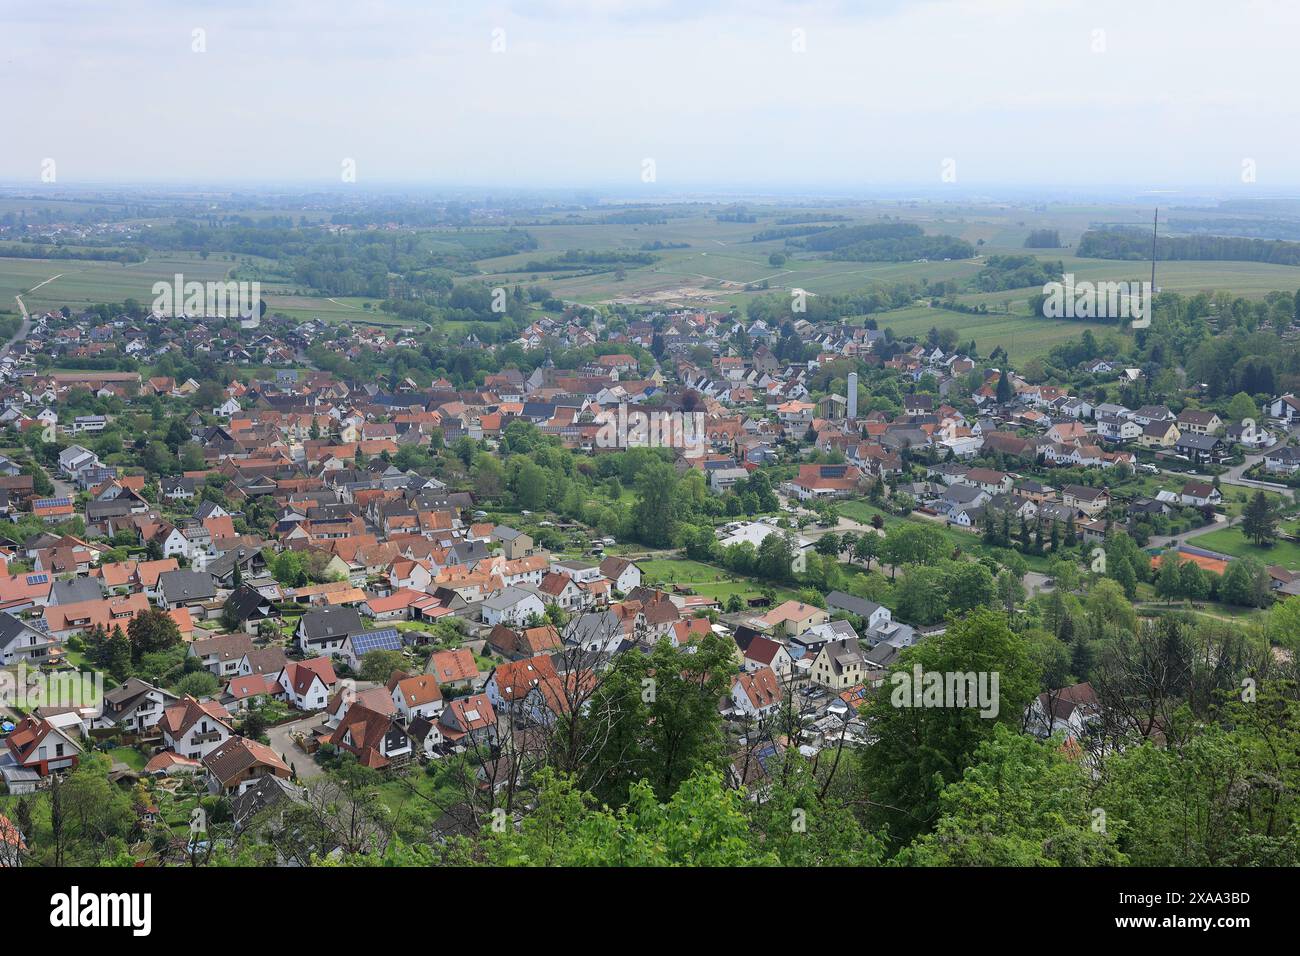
(292, 574)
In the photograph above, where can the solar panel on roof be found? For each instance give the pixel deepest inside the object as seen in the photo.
(37, 578)
(52, 502)
(387, 639)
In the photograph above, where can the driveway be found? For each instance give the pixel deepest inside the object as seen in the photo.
(1036, 583)
(282, 743)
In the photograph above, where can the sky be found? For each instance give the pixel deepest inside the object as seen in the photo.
(654, 96)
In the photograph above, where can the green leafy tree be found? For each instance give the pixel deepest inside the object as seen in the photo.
(918, 749)
(378, 666)
(152, 631)
(655, 514)
(1242, 406)
(1023, 802)
(197, 684)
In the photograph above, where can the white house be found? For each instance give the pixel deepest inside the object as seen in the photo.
(1285, 407)
(135, 707)
(307, 684)
(194, 728)
(756, 693)
(511, 606)
(622, 573)
(416, 696)
(764, 652)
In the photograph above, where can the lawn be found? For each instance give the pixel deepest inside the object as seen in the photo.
(129, 756)
(1232, 541)
(707, 580)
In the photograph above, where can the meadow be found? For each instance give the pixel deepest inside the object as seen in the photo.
(1233, 542)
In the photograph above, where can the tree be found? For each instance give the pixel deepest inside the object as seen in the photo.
(922, 596)
(775, 556)
(1195, 585)
(1065, 573)
(866, 547)
(828, 545)
(378, 666)
(197, 684)
(1245, 583)
(1023, 802)
(920, 749)
(117, 654)
(254, 724)
(701, 543)
(1005, 390)
(1169, 582)
(969, 585)
(530, 486)
(910, 542)
(1224, 797)
(1242, 406)
(1259, 521)
(652, 716)
(703, 823)
(1283, 625)
(151, 631)
(655, 514)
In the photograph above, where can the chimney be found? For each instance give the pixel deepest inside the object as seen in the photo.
(853, 395)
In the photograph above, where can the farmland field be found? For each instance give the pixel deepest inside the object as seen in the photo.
(83, 282)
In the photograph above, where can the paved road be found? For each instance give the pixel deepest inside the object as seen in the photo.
(1165, 541)
(1233, 476)
(26, 325)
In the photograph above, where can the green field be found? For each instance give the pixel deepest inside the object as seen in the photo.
(706, 580)
(1022, 336)
(1233, 542)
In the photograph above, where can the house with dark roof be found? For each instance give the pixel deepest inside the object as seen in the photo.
(185, 588)
(239, 763)
(221, 655)
(307, 684)
(135, 706)
(838, 665)
(873, 615)
(375, 739)
(20, 642)
(247, 607)
(323, 630)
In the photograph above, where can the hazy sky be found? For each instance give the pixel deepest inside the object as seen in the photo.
(1016, 92)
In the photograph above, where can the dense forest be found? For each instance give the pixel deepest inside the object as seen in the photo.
(1136, 244)
(885, 242)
